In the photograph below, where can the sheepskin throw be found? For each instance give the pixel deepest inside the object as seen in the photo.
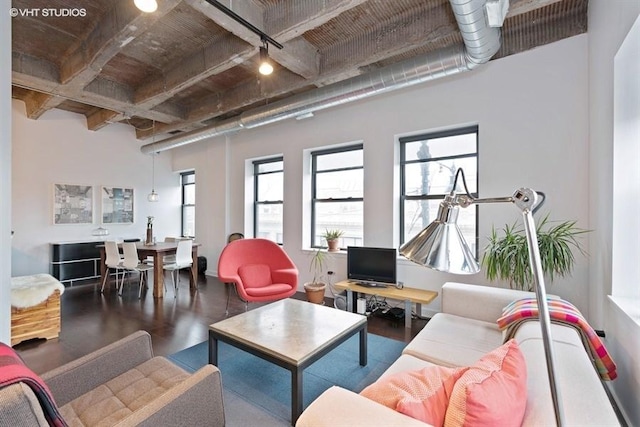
(27, 291)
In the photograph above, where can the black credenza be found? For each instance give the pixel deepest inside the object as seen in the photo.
(73, 262)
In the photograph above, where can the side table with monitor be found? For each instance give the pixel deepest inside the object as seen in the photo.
(406, 294)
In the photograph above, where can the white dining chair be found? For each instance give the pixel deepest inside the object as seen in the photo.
(166, 259)
(183, 260)
(131, 263)
(113, 261)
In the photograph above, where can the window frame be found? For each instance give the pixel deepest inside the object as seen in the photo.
(403, 141)
(183, 205)
(314, 171)
(257, 203)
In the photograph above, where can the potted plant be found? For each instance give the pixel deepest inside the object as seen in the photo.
(506, 256)
(316, 287)
(332, 236)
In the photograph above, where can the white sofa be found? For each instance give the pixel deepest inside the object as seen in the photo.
(464, 331)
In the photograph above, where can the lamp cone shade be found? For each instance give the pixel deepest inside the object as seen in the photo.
(441, 246)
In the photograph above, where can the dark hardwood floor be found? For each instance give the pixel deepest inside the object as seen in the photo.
(91, 320)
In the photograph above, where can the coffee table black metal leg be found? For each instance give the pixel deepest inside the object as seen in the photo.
(296, 394)
(363, 346)
(213, 350)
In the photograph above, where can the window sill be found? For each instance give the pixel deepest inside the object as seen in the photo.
(629, 306)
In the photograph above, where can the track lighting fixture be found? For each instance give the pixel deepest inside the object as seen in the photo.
(265, 63)
(147, 6)
(265, 67)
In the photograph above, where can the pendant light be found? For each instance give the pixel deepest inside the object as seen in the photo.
(153, 196)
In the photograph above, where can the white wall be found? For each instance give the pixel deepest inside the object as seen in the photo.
(532, 110)
(58, 149)
(609, 24)
(5, 177)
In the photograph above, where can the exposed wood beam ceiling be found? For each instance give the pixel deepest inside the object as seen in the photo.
(188, 65)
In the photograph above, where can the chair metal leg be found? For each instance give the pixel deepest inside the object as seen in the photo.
(141, 282)
(104, 281)
(122, 283)
(226, 310)
(175, 287)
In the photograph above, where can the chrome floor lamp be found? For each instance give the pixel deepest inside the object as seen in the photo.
(442, 247)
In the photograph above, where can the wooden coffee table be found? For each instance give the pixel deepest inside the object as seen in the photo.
(292, 334)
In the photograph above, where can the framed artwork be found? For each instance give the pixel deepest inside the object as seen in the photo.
(72, 204)
(117, 205)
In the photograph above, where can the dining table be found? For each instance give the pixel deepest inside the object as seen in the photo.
(157, 251)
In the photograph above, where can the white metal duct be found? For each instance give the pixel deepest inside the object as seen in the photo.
(481, 42)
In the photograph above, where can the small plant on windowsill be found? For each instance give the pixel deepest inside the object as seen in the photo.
(332, 236)
(316, 287)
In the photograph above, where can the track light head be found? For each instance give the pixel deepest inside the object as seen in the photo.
(265, 64)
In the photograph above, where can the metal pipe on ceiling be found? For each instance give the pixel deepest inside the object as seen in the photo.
(481, 42)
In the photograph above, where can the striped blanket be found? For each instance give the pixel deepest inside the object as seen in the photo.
(13, 370)
(563, 312)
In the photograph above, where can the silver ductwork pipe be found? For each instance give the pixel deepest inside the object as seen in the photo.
(481, 42)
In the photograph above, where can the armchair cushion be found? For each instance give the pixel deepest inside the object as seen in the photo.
(118, 398)
(265, 291)
(255, 275)
(121, 384)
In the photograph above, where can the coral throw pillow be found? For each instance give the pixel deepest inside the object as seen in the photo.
(422, 394)
(492, 392)
(255, 275)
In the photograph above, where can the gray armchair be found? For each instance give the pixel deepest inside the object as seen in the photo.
(122, 384)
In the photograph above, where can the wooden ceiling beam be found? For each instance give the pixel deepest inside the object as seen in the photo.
(37, 103)
(41, 76)
(81, 68)
(101, 118)
(303, 16)
(121, 24)
(413, 29)
(299, 56)
(400, 36)
(214, 59)
(519, 7)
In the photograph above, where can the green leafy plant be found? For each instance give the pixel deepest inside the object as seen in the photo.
(317, 265)
(506, 256)
(332, 234)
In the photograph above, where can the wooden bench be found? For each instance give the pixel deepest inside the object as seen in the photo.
(35, 307)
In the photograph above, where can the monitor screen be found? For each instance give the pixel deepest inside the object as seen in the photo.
(371, 264)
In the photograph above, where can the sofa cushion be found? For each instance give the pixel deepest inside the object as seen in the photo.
(255, 275)
(451, 340)
(406, 362)
(492, 392)
(422, 394)
(585, 401)
(114, 400)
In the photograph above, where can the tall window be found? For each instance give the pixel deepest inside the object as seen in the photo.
(337, 183)
(428, 165)
(268, 198)
(188, 182)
